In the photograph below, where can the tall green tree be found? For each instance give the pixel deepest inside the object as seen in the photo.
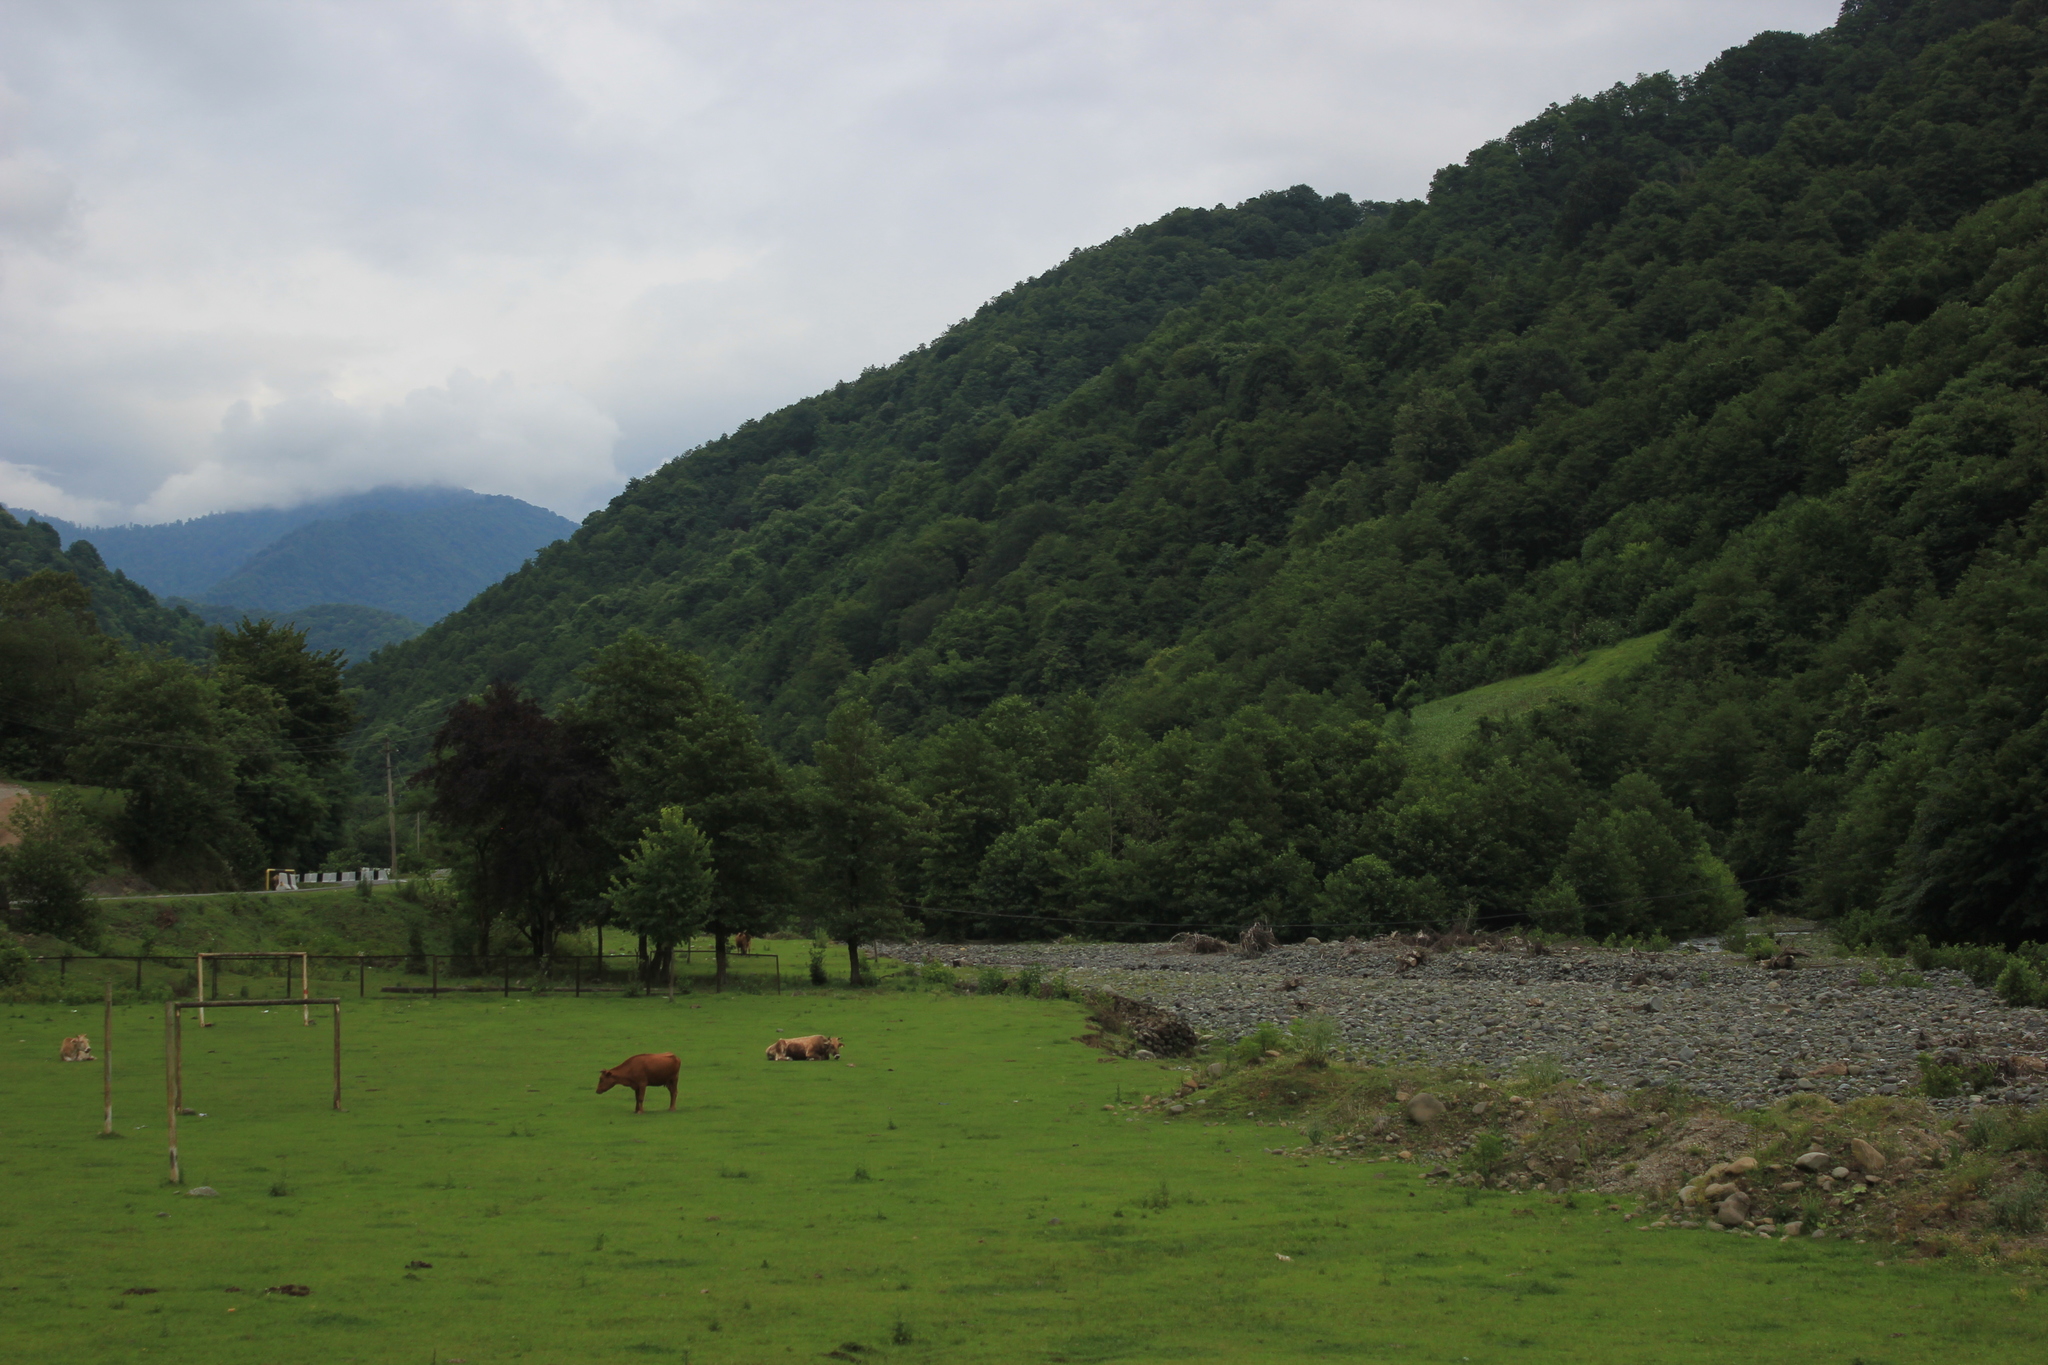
(864, 825)
(51, 652)
(673, 738)
(663, 891)
(158, 732)
(45, 874)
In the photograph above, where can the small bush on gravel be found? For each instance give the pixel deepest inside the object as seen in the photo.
(1267, 1037)
(990, 980)
(937, 974)
(1029, 980)
(1314, 1037)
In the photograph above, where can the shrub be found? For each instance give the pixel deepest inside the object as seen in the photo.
(1487, 1157)
(1543, 1072)
(1267, 1037)
(936, 973)
(2017, 1208)
(818, 960)
(14, 962)
(990, 980)
(1941, 1080)
(1029, 980)
(1314, 1036)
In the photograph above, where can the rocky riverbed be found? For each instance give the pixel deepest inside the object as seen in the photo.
(1723, 1027)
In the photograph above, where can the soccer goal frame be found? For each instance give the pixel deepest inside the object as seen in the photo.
(305, 980)
(174, 1056)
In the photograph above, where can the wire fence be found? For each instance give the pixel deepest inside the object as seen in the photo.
(436, 974)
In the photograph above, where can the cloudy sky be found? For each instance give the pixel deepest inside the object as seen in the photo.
(254, 253)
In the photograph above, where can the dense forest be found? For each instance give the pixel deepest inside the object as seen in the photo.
(1104, 612)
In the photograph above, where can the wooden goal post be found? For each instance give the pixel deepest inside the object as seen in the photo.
(174, 1054)
(305, 980)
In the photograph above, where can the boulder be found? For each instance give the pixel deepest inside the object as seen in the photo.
(1793, 1228)
(202, 1192)
(1867, 1158)
(1425, 1108)
(1216, 1068)
(1742, 1165)
(1734, 1210)
(1814, 1162)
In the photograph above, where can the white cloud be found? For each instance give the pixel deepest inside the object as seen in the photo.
(543, 443)
(670, 215)
(23, 486)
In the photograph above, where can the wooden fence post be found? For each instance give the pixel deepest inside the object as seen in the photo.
(337, 1055)
(171, 1083)
(107, 1065)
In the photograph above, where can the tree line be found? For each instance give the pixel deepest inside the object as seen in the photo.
(200, 774)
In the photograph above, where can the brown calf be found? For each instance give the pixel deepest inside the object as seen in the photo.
(77, 1049)
(648, 1068)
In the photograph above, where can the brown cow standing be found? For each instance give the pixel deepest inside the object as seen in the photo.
(814, 1047)
(648, 1068)
(743, 942)
(77, 1049)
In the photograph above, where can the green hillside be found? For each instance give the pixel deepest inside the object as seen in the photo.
(125, 609)
(1438, 726)
(1751, 356)
(419, 563)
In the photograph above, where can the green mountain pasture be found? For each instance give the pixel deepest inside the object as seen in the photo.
(952, 1191)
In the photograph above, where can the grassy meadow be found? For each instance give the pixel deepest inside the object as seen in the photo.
(1440, 724)
(952, 1191)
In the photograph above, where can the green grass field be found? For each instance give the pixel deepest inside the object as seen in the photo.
(952, 1191)
(1440, 724)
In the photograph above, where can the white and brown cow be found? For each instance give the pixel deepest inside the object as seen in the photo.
(814, 1047)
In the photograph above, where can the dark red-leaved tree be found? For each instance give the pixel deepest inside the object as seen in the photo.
(530, 795)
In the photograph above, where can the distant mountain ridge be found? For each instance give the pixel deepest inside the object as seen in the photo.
(416, 553)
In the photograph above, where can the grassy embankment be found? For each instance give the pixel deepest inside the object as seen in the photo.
(377, 921)
(1440, 724)
(954, 1190)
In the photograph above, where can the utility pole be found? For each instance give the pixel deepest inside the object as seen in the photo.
(391, 807)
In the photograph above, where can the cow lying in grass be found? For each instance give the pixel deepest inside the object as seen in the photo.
(77, 1049)
(648, 1068)
(814, 1048)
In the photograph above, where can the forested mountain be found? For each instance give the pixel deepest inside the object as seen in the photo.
(1142, 564)
(125, 609)
(185, 558)
(420, 563)
(418, 553)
